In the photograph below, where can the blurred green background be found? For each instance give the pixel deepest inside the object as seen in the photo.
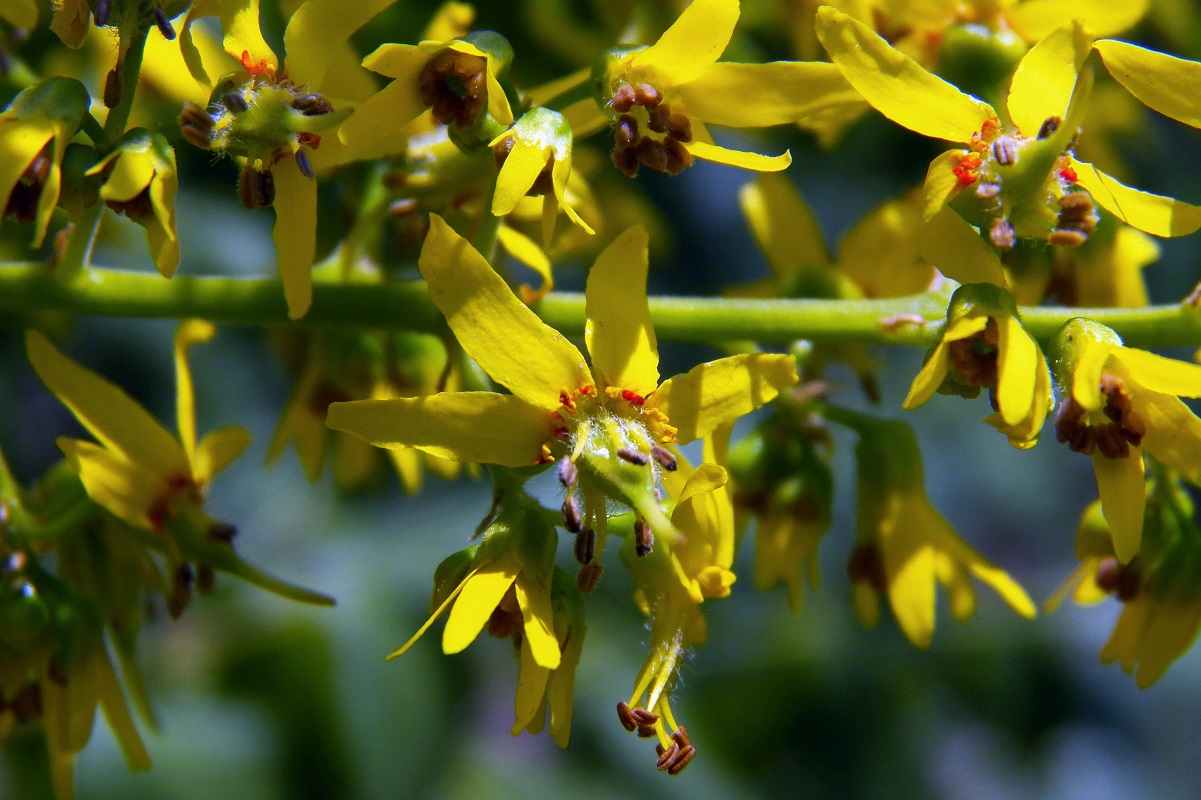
(259, 698)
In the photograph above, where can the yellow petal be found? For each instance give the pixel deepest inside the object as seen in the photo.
(1162, 82)
(985, 571)
(407, 463)
(106, 411)
(1161, 216)
(1160, 374)
(394, 106)
(1017, 362)
(537, 617)
(1125, 641)
(783, 225)
(759, 95)
(531, 689)
(189, 332)
(717, 392)
(881, 252)
(694, 41)
(1173, 432)
(896, 85)
(1034, 19)
(130, 175)
(161, 237)
(126, 490)
(535, 362)
(931, 376)
(619, 332)
(315, 30)
(956, 249)
(909, 569)
(941, 182)
(1123, 498)
(517, 175)
(439, 611)
(477, 427)
(739, 158)
(1169, 630)
(1091, 357)
(240, 26)
(527, 251)
(561, 688)
(217, 450)
(21, 140)
(482, 593)
(1045, 78)
(295, 234)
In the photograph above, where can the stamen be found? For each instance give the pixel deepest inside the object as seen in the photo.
(623, 99)
(302, 163)
(196, 125)
(679, 127)
(652, 153)
(1077, 220)
(664, 457)
(666, 756)
(235, 102)
(647, 95)
(644, 538)
(222, 532)
(645, 731)
(682, 759)
(312, 105)
(588, 578)
(571, 516)
(205, 578)
(1005, 151)
(657, 118)
(454, 86)
(567, 472)
(26, 704)
(163, 24)
(1049, 126)
(625, 715)
(585, 546)
(112, 88)
(256, 189)
(633, 456)
(644, 717)
(678, 157)
(1002, 234)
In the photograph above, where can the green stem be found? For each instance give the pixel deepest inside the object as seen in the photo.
(130, 68)
(406, 306)
(80, 240)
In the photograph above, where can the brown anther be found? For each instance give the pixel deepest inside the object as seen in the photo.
(975, 358)
(235, 102)
(312, 105)
(1002, 234)
(666, 755)
(644, 717)
(986, 190)
(567, 472)
(500, 153)
(644, 538)
(679, 127)
(303, 164)
(1005, 151)
(1110, 441)
(196, 125)
(101, 12)
(681, 760)
(645, 732)
(623, 99)
(647, 95)
(626, 717)
(664, 457)
(867, 565)
(502, 624)
(585, 546)
(455, 86)
(680, 736)
(1077, 220)
(625, 135)
(678, 157)
(633, 456)
(657, 118)
(138, 207)
(1061, 237)
(1049, 126)
(588, 578)
(572, 520)
(205, 578)
(1109, 575)
(256, 189)
(112, 88)
(626, 160)
(163, 24)
(652, 153)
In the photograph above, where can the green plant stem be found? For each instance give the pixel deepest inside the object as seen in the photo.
(130, 68)
(406, 306)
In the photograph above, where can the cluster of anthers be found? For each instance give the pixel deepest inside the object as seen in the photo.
(663, 148)
(217, 128)
(1114, 438)
(974, 358)
(612, 426)
(673, 756)
(454, 85)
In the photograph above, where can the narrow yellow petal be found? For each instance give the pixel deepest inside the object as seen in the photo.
(693, 42)
(106, 411)
(739, 158)
(931, 376)
(538, 622)
(240, 26)
(217, 450)
(535, 362)
(407, 463)
(759, 95)
(1123, 498)
(941, 182)
(1162, 82)
(1034, 19)
(1170, 629)
(439, 611)
(896, 85)
(1173, 432)
(482, 593)
(1161, 216)
(517, 175)
(1045, 78)
(295, 234)
(618, 331)
(390, 109)
(1125, 642)
(1017, 362)
(189, 332)
(783, 225)
(125, 489)
(717, 392)
(985, 571)
(1091, 357)
(909, 569)
(130, 175)
(531, 689)
(956, 249)
(477, 427)
(1160, 374)
(527, 251)
(881, 252)
(314, 32)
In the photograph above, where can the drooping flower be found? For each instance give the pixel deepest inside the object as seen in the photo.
(984, 346)
(145, 476)
(1116, 402)
(141, 185)
(906, 547)
(1026, 181)
(609, 423)
(661, 97)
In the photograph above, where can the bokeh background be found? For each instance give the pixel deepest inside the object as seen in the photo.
(255, 697)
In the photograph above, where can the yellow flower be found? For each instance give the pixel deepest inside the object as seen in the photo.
(610, 422)
(142, 184)
(536, 148)
(985, 346)
(34, 131)
(1117, 402)
(906, 546)
(144, 475)
(1024, 173)
(1094, 549)
(661, 97)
